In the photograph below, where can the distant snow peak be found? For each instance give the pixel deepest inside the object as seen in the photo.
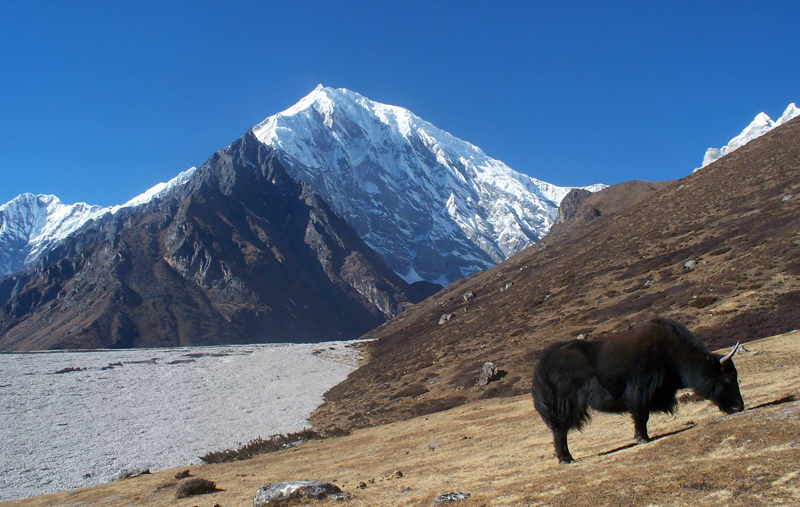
(760, 125)
(433, 206)
(31, 225)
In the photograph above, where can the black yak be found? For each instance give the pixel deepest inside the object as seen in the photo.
(636, 371)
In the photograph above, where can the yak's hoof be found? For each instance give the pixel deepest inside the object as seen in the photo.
(642, 440)
(565, 460)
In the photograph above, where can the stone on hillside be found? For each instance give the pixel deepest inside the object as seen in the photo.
(506, 286)
(445, 317)
(688, 265)
(468, 296)
(488, 373)
(280, 493)
(450, 498)
(702, 301)
(127, 473)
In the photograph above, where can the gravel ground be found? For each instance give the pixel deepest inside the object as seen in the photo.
(76, 419)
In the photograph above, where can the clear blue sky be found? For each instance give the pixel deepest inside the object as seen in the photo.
(101, 100)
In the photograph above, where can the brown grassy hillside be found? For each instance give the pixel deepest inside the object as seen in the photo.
(500, 453)
(738, 220)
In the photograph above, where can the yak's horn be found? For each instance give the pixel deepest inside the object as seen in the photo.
(730, 354)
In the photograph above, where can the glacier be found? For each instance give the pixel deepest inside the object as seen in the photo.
(760, 125)
(33, 224)
(435, 207)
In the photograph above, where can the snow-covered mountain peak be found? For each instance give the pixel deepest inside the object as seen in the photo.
(32, 225)
(789, 113)
(760, 125)
(435, 207)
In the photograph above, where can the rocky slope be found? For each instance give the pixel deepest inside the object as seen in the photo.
(717, 250)
(435, 207)
(239, 253)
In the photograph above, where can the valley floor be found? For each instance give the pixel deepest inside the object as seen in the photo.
(76, 419)
(501, 453)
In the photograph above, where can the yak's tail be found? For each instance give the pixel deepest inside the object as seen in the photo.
(561, 409)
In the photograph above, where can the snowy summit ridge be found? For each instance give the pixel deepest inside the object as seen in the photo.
(31, 225)
(435, 207)
(760, 125)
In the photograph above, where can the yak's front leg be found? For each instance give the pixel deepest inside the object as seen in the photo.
(640, 426)
(562, 451)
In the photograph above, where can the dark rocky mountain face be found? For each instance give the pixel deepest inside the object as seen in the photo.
(718, 250)
(240, 254)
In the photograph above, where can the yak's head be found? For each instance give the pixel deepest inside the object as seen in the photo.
(722, 383)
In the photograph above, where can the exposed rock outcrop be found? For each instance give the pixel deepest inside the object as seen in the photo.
(240, 253)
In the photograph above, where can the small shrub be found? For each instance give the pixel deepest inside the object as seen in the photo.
(183, 474)
(273, 443)
(196, 486)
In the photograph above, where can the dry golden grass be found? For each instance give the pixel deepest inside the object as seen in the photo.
(500, 452)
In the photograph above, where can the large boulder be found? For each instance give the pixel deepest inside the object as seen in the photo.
(282, 493)
(489, 373)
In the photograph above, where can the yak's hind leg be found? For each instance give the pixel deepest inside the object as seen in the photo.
(640, 427)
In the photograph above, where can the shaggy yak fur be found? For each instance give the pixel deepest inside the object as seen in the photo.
(636, 371)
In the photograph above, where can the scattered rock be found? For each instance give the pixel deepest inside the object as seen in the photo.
(488, 373)
(450, 498)
(196, 486)
(182, 475)
(649, 283)
(127, 473)
(280, 493)
(786, 197)
(445, 317)
(506, 286)
(702, 301)
(468, 295)
(362, 485)
(689, 265)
